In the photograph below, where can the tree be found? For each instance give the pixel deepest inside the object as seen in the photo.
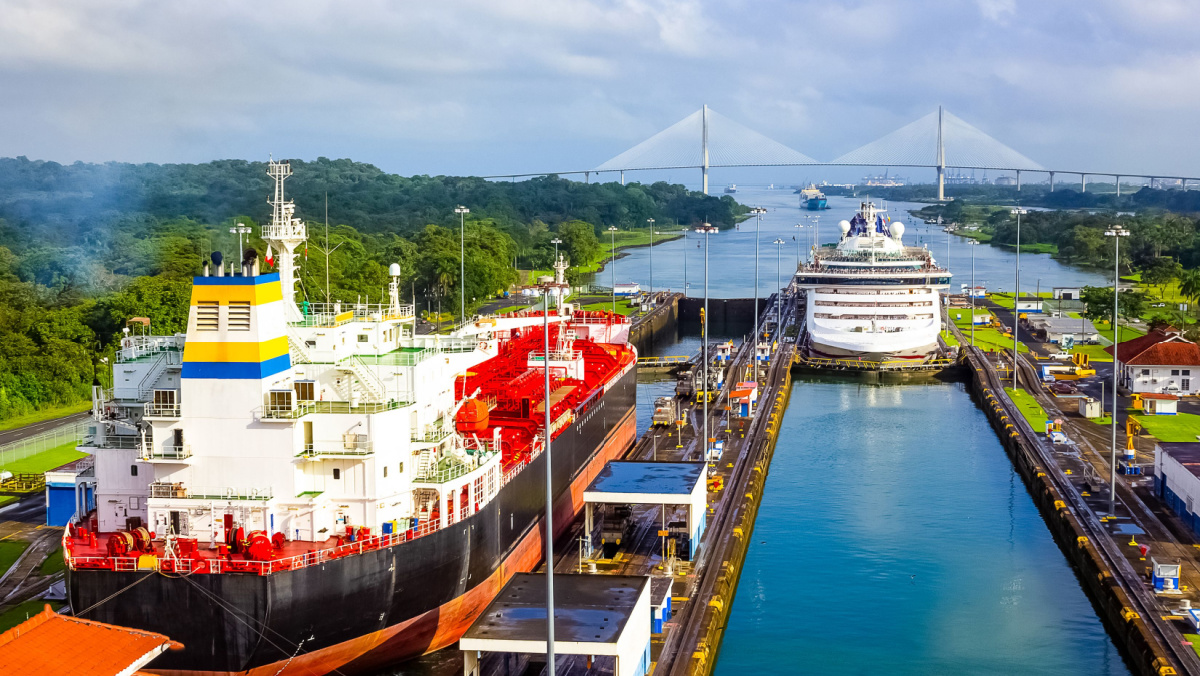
(1161, 272)
(1099, 303)
(580, 241)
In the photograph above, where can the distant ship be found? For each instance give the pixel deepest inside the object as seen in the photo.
(707, 227)
(813, 198)
(871, 297)
(730, 189)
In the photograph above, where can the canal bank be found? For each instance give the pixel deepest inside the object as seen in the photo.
(894, 531)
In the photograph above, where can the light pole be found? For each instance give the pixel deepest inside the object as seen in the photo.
(972, 243)
(462, 262)
(549, 488)
(239, 230)
(758, 212)
(612, 229)
(558, 301)
(1116, 232)
(799, 226)
(816, 232)
(704, 344)
(651, 222)
(1016, 296)
(685, 253)
(778, 299)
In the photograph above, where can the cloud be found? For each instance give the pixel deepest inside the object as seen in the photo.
(487, 87)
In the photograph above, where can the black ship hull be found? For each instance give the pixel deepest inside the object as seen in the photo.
(371, 609)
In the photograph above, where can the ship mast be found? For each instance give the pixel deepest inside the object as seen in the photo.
(285, 234)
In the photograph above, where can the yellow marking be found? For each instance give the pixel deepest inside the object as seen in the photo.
(197, 351)
(1172, 617)
(257, 294)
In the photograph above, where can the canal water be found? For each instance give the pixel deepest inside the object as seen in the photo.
(895, 537)
(731, 252)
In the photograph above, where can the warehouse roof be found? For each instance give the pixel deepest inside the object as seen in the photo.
(1063, 324)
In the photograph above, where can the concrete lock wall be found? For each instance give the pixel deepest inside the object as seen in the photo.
(1126, 627)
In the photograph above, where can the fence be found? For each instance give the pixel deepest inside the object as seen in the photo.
(71, 433)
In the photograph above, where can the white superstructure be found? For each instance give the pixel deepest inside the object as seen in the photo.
(871, 297)
(295, 418)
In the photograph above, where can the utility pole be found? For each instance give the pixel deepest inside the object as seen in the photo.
(549, 488)
(612, 229)
(972, 243)
(778, 286)
(1016, 299)
(462, 262)
(704, 330)
(685, 256)
(651, 222)
(1116, 232)
(758, 213)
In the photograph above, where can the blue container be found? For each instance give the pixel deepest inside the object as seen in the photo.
(387, 527)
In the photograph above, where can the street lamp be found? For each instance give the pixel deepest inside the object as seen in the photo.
(1018, 212)
(816, 233)
(704, 345)
(684, 230)
(651, 222)
(549, 485)
(558, 301)
(613, 229)
(972, 243)
(799, 226)
(1116, 232)
(758, 213)
(239, 230)
(462, 262)
(778, 285)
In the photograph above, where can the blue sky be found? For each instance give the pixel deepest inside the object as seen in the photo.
(495, 86)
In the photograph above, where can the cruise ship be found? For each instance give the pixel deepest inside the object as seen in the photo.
(870, 297)
(301, 488)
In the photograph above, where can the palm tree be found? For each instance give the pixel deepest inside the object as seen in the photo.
(1189, 285)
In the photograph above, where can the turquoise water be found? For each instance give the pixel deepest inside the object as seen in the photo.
(895, 537)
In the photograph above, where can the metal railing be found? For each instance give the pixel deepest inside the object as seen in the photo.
(337, 449)
(336, 314)
(446, 470)
(167, 452)
(432, 433)
(179, 491)
(137, 347)
(163, 410)
(305, 408)
(124, 441)
(71, 433)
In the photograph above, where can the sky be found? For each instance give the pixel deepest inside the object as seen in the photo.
(510, 86)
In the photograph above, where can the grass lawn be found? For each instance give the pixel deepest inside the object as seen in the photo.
(10, 551)
(18, 614)
(53, 563)
(987, 338)
(1094, 352)
(1194, 639)
(1029, 408)
(948, 336)
(5, 499)
(1127, 332)
(623, 307)
(45, 414)
(1005, 300)
(1103, 421)
(1181, 427)
(44, 461)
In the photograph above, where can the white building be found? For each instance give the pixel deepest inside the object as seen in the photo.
(1159, 363)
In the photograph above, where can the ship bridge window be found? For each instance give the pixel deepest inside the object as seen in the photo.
(208, 313)
(305, 390)
(362, 337)
(239, 315)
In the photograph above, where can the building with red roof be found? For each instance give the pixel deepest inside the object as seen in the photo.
(49, 644)
(1159, 362)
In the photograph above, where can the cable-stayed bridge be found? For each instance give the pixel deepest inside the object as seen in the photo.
(706, 139)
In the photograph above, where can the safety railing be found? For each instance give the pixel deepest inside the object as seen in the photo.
(446, 470)
(305, 408)
(154, 410)
(337, 449)
(167, 452)
(179, 491)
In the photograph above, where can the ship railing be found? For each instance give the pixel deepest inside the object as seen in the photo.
(177, 490)
(337, 449)
(556, 355)
(432, 433)
(163, 410)
(306, 407)
(444, 471)
(219, 566)
(137, 347)
(336, 314)
(167, 452)
(125, 441)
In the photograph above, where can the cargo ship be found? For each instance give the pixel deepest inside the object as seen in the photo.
(870, 297)
(305, 488)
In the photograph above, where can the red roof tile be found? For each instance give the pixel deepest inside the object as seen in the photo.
(36, 647)
(1132, 348)
(1168, 353)
(1156, 395)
